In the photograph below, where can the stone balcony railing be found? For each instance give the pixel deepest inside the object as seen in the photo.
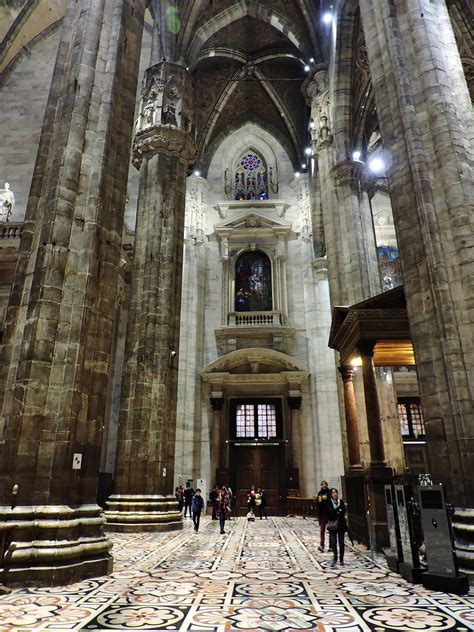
(11, 230)
(254, 319)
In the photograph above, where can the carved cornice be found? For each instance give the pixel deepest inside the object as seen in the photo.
(161, 139)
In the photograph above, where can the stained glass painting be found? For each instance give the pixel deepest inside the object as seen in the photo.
(251, 178)
(389, 267)
(253, 283)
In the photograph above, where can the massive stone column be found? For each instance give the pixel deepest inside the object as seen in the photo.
(163, 149)
(57, 346)
(426, 122)
(192, 423)
(348, 230)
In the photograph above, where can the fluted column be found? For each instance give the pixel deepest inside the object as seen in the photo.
(163, 149)
(350, 409)
(59, 333)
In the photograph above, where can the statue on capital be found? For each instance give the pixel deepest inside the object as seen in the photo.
(7, 202)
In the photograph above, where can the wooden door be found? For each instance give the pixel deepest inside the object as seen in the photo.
(262, 466)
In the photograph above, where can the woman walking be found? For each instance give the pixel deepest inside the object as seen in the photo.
(337, 526)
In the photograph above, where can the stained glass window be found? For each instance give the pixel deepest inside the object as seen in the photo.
(253, 283)
(389, 267)
(251, 182)
(410, 416)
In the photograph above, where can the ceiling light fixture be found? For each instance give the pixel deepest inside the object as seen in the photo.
(327, 17)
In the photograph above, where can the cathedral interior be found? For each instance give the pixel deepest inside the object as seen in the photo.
(236, 248)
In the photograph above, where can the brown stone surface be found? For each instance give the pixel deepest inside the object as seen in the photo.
(60, 318)
(429, 137)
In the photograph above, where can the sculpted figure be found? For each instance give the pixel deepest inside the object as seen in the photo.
(7, 202)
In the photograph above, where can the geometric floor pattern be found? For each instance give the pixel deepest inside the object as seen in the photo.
(266, 575)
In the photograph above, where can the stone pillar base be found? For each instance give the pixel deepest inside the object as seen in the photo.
(463, 527)
(52, 544)
(377, 477)
(135, 513)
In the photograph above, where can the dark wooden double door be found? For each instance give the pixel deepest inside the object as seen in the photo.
(262, 466)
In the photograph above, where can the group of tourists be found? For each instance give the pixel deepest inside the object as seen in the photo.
(332, 518)
(256, 499)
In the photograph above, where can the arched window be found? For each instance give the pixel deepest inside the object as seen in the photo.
(253, 283)
(251, 181)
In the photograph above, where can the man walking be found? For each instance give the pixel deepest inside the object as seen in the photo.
(323, 499)
(197, 507)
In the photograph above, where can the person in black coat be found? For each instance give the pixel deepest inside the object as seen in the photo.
(336, 514)
(188, 497)
(197, 506)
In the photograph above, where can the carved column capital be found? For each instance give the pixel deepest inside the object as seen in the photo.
(217, 403)
(347, 373)
(316, 92)
(349, 172)
(163, 140)
(366, 348)
(164, 122)
(294, 403)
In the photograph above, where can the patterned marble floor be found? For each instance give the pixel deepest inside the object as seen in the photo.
(266, 575)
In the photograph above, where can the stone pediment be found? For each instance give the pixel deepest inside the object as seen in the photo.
(252, 221)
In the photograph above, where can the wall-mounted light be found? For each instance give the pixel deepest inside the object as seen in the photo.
(297, 174)
(356, 156)
(197, 173)
(308, 151)
(357, 361)
(307, 68)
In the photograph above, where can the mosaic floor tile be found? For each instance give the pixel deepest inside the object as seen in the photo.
(263, 576)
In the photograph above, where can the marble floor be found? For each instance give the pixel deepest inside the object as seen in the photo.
(266, 575)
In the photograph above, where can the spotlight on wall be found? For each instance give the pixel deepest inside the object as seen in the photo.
(376, 165)
(356, 156)
(327, 17)
(308, 151)
(197, 173)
